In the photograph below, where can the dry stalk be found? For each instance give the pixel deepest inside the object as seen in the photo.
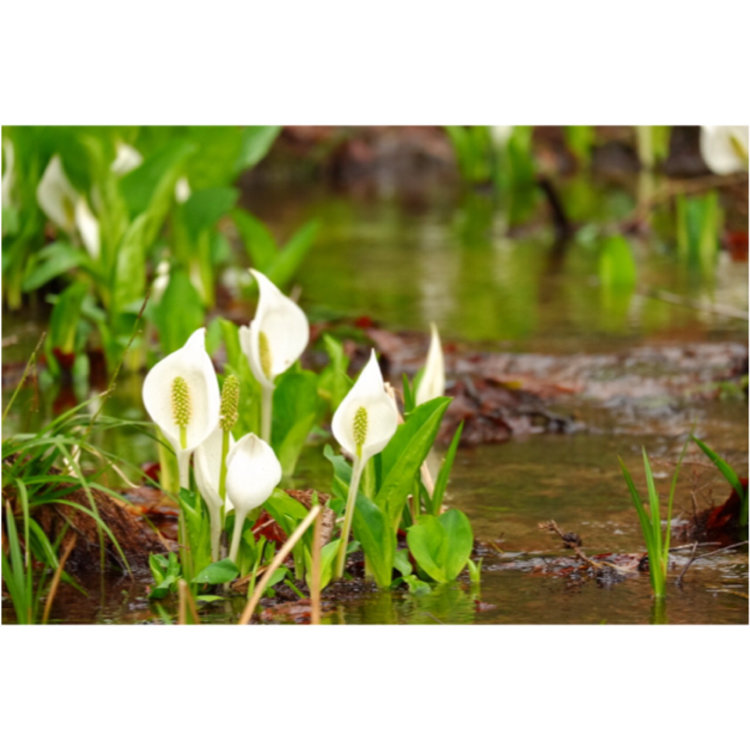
(247, 613)
(315, 571)
(70, 542)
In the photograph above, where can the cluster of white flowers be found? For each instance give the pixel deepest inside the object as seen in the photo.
(181, 395)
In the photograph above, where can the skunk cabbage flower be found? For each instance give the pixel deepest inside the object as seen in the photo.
(273, 341)
(432, 384)
(367, 417)
(126, 160)
(181, 395)
(363, 424)
(277, 335)
(253, 472)
(724, 149)
(65, 207)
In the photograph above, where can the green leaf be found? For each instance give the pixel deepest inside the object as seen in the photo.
(729, 474)
(52, 261)
(295, 409)
(256, 143)
(441, 545)
(286, 263)
(205, 207)
(405, 453)
(373, 531)
(179, 312)
(285, 510)
(259, 243)
(222, 571)
(327, 558)
(65, 317)
(333, 381)
(445, 469)
(154, 180)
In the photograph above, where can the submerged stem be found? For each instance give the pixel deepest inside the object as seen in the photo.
(357, 467)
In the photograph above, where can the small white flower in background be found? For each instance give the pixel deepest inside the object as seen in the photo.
(253, 472)
(501, 134)
(274, 340)
(160, 282)
(126, 159)
(367, 417)
(432, 383)
(182, 190)
(7, 185)
(724, 148)
(65, 207)
(181, 394)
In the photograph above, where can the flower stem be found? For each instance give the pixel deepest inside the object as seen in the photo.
(183, 464)
(266, 404)
(223, 465)
(357, 467)
(239, 522)
(214, 514)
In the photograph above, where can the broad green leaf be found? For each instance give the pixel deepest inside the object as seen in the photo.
(730, 475)
(52, 261)
(295, 408)
(333, 381)
(222, 571)
(405, 453)
(285, 510)
(65, 316)
(327, 558)
(441, 545)
(178, 313)
(205, 207)
(373, 531)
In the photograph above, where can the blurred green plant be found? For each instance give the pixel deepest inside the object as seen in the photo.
(730, 475)
(698, 224)
(90, 212)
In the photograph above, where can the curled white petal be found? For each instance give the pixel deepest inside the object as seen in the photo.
(207, 466)
(284, 328)
(126, 160)
(88, 227)
(160, 282)
(56, 196)
(724, 149)
(192, 363)
(432, 384)
(253, 472)
(501, 134)
(381, 419)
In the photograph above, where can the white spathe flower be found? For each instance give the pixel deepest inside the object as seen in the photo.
(160, 282)
(7, 184)
(182, 190)
(207, 466)
(277, 335)
(724, 149)
(56, 196)
(88, 228)
(432, 384)
(367, 417)
(501, 134)
(66, 208)
(181, 394)
(126, 160)
(253, 472)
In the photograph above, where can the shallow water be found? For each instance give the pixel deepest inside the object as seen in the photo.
(454, 263)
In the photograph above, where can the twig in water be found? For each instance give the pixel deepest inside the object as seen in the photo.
(695, 557)
(247, 613)
(315, 571)
(186, 600)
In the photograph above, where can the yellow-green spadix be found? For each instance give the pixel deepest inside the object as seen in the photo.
(253, 472)
(181, 394)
